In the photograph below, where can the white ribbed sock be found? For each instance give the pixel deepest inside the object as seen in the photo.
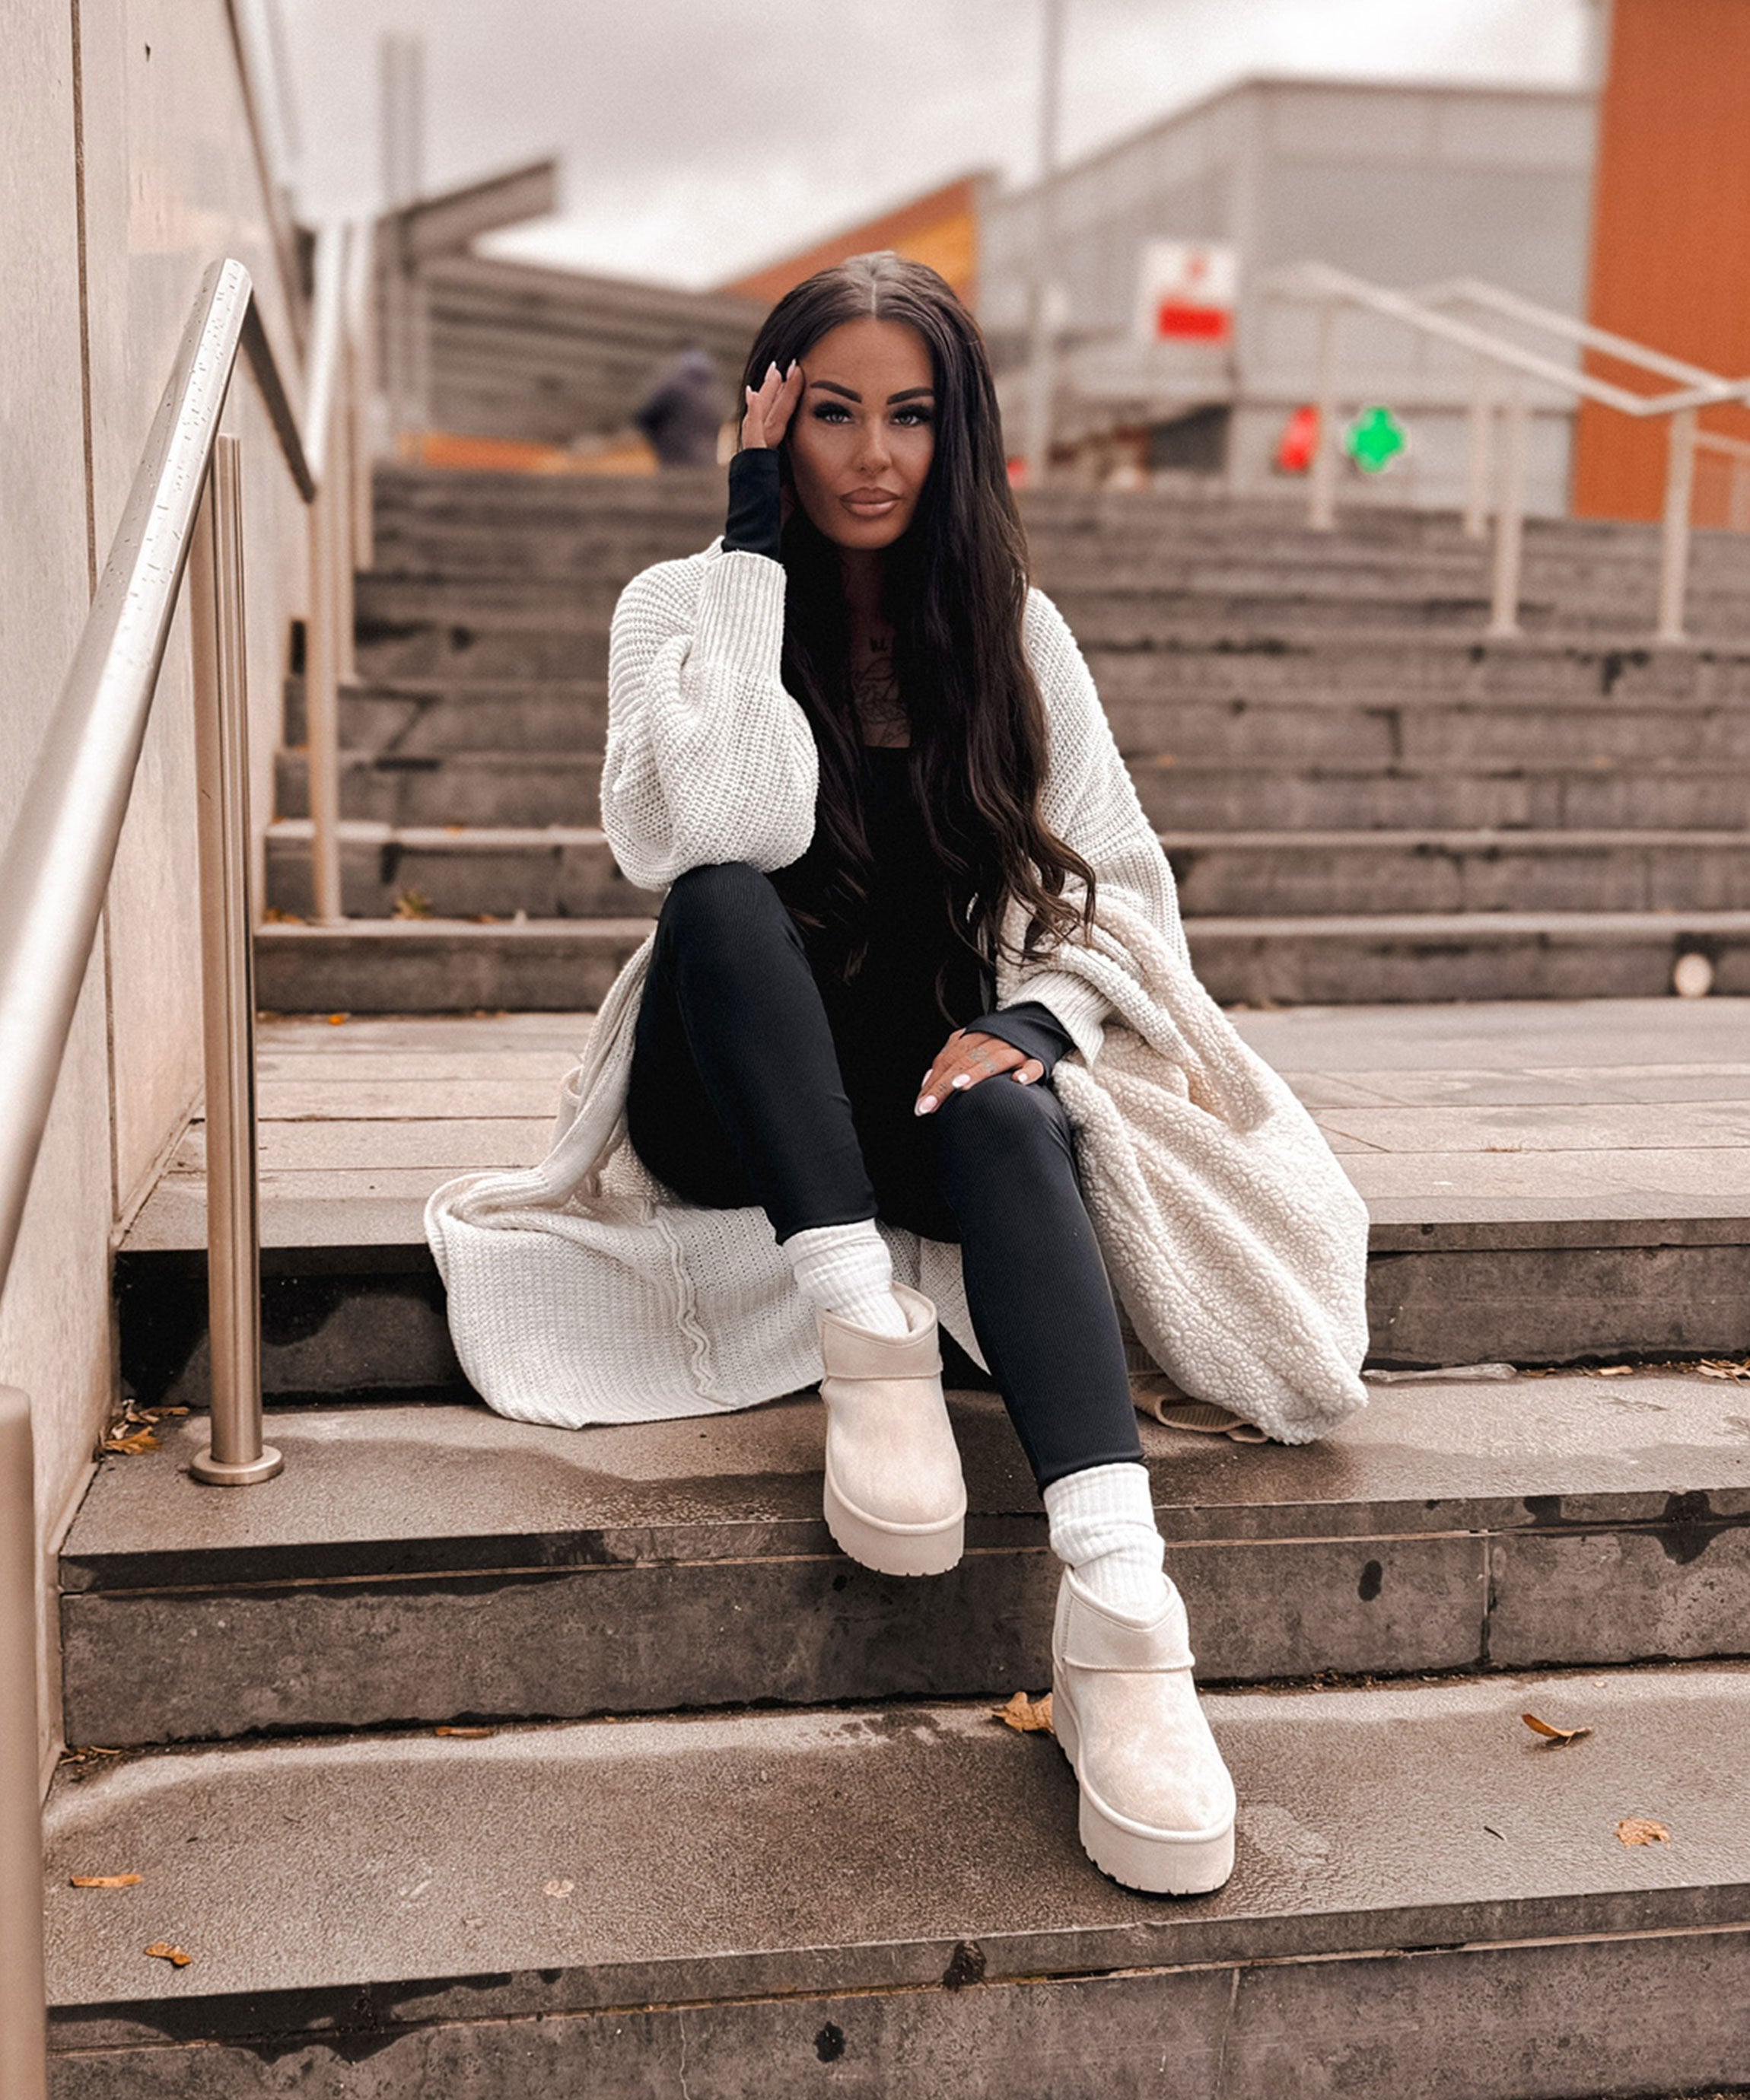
(847, 1269)
(1103, 1523)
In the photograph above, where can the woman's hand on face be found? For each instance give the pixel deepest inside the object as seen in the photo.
(964, 1059)
(767, 410)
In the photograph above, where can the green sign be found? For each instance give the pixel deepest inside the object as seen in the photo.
(1375, 438)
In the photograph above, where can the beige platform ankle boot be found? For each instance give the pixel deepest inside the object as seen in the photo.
(1157, 1801)
(894, 1497)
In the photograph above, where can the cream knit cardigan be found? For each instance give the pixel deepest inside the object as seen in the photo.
(583, 1291)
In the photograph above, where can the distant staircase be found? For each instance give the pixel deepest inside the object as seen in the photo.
(1362, 799)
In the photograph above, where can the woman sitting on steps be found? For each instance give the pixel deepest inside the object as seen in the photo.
(866, 760)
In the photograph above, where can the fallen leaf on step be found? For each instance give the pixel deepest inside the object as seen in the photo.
(1641, 1830)
(1614, 1370)
(557, 1888)
(160, 1950)
(106, 1880)
(1556, 1735)
(1030, 1716)
(339, 1020)
(470, 1734)
(142, 1439)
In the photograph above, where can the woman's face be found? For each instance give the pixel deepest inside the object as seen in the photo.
(864, 432)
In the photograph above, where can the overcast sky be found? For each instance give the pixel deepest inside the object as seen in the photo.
(698, 138)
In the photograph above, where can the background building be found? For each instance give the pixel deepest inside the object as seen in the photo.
(1401, 184)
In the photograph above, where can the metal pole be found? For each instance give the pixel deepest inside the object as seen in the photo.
(1509, 519)
(23, 1993)
(235, 1456)
(341, 469)
(1738, 495)
(1321, 503)
(1042, 377)
(322, 701)
(1680, 490)
(1478, 462)
(361, 336)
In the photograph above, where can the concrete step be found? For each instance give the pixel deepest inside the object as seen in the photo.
(546, 555)
(568, 871)
(419, 718)
(1432, 956)
(849, 1901)
(436, 1564)
(439, 645)
(1115, 603)
(1546, 1185)
(451, 966)
(1186, 795)
(447, 966)
(516, 787)
(560, 872)
(1330, 873)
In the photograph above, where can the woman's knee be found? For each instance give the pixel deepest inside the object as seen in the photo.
(1000, 1124)
(726, 901)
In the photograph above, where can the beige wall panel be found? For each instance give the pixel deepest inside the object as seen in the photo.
(173, 182)
(55, 1319)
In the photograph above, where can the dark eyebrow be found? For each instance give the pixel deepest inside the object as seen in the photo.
(850, 393)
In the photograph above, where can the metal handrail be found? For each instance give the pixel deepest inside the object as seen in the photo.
(1472, 291)
(1331, 289)
(183, 518)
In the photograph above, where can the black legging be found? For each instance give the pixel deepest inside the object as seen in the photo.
(739, 1095)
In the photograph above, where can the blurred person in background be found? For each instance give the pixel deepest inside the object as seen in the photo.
(684, 411)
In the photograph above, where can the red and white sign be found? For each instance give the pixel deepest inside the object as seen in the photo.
(1187, 290)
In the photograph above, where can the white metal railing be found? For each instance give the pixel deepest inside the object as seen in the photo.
(1332, 291)
(340, 374)
(183, 518)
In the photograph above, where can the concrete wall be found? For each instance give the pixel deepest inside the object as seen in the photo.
(130, 163)
(1400, 184)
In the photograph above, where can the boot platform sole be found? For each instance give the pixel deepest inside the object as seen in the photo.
(1170, 1863)
(894, 1549)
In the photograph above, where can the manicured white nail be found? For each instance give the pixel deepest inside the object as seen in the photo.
(925, 1105)
(961, 1079)
(1024, 1078)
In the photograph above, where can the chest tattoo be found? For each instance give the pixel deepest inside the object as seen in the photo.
(874, 689)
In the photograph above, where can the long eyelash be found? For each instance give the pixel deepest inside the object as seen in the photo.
(911, 408)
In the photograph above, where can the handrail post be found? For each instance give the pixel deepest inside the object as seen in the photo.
(346, 515)
(322, 704)
(24, 2020)
(1509, 519)
(1680, 490)
(1321, 503)
(235, 1456)
(1737, 495)
(1482, 427)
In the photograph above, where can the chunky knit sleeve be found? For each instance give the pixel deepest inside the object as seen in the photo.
(1090, 801)
(708, 758)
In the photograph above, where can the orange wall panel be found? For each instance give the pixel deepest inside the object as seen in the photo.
(1670, 236)
(940, 228)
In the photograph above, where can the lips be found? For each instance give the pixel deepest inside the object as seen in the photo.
(871, 502)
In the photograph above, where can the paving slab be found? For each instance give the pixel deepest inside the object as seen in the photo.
(423, 1563)
(402, 1904)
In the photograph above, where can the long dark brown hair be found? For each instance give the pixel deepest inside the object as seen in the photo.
(954, 588)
